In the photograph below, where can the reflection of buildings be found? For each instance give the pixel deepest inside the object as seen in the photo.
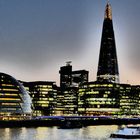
(43, 96)
(69, 84)
(15, 103)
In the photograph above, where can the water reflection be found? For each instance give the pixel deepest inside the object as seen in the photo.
(53, 133)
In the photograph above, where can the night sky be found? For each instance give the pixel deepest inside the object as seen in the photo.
(39, 36)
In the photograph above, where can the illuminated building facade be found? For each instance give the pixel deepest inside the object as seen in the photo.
(43, 96)
(98, 99)
(135, 89)
(15, 102)
(75, 96)
(60, 108)
(69, 84)
(108, 65)
(129, 99)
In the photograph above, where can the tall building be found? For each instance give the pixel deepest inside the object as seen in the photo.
(102, 97)
(70, 78)
(108, 65)
(69, 85)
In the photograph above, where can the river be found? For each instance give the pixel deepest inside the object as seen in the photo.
(53, 133)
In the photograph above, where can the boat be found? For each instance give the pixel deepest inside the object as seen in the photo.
(70, 125)
(128, 132)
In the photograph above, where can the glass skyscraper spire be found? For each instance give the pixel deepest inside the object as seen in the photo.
(108, 65)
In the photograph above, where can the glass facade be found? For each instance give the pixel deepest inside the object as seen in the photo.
(109, 99)
(129, 99)
(98, 99)
(108, 64)
(43, 96)
(15, 102)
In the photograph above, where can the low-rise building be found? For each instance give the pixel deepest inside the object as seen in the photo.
(97, 98)
(15, 102)
(43, 94)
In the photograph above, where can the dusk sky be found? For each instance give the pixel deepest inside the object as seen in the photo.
(37, 37)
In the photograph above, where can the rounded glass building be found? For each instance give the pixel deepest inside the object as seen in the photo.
(15, 102)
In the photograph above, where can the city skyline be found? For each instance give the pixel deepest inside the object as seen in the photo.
(39, 37)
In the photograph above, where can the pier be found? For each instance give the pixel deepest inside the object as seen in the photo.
(57, 121)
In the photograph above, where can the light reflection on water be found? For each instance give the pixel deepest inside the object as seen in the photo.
(53, 133)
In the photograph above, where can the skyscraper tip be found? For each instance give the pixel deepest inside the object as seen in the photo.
(108, 1)
(108, 11)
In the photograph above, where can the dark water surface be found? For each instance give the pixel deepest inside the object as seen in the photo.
(53, 133)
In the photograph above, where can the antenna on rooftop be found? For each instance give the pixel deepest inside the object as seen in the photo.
(68, 63)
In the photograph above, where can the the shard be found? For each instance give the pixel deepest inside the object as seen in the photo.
(108, 64)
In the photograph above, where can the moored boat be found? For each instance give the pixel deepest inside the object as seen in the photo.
(129, 132)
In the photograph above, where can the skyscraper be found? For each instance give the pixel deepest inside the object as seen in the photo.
(69, 85)
(108, 65)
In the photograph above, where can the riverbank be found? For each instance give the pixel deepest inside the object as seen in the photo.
(54, 122)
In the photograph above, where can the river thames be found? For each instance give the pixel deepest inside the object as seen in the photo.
(53, 133)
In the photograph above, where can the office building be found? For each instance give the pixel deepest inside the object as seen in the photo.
(109, 99)
(97, 98)
(128, 100)
(43, 94)
(15, 102)
(108, 65)
(69, 84)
